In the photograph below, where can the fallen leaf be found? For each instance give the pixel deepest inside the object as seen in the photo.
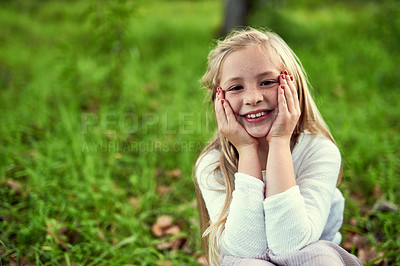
(353, 222)
(162, 189)
(173, 230)
(164, 226)
(386, 206)
(53, 232)
(164, 221)
(186, 249)
(101, 235)
(158, 172)
(377, 191)
(176, 173)
(177, 243)
(163, 245)
(365, 255)
(202, 260)
(358, 240)
(150, 87)
(348, 243)
(14, 185)
(134, 202)
(157, 230)
(95, 188)
(164, 263)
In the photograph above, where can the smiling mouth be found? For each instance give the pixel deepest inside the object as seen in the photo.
(256, 115)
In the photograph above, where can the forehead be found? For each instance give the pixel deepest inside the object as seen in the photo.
(248, 62)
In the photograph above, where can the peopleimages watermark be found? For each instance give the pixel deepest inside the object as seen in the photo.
(130, 123)
(143, 146)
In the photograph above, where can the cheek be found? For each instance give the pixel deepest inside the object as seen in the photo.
(272, 96)
(234, 101)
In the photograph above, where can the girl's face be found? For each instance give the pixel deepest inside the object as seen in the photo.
(250, 83)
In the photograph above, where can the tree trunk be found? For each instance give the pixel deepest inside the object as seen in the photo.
(235, 14)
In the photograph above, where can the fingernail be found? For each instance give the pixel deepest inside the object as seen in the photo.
(217, 90)
(291, 78)
(283, 76)
(282, 87)
(285, 72)
(222, 101)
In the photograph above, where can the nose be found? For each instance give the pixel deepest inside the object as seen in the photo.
(253, 96)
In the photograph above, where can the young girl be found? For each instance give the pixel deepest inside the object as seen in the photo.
(266, 184)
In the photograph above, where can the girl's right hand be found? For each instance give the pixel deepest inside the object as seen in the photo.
(229, 126)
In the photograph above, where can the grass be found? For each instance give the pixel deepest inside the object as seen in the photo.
(101, 107)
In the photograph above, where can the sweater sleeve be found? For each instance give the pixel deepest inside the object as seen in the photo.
(244, 233)
(297, 217)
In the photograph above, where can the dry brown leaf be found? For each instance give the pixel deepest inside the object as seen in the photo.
(358, 240)
(162, 189)
(163, 245)
(101, 235)
(134, 202)
(353, 222)
(95, 188)
(385, 206)
(173, 230)
(347, 243)
(164, 226)
(150, 87)
(176, 173)
(202, 260)
(52, 231)
(158, 172)
(164, 263)
(186, 249)
(177, 243)
(157, 230)
(377, 191)
(365, 255)
(164, 221)
(14, 185)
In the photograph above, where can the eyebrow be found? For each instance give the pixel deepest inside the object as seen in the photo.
(266, 73)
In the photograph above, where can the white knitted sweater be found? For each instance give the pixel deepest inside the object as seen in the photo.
(305, 213)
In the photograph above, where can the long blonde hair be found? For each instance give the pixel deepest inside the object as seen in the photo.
(310, 119)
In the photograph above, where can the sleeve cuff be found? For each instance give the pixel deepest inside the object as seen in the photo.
(282, 199)
(249, 184)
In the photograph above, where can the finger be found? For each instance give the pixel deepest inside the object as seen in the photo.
(282, 79)
(282, 107)
(221, 93)
(290, 82)
(230, 116)
(289, 99)
(292, 85)
(220, 112)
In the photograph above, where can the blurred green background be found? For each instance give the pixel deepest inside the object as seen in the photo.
(102, 119)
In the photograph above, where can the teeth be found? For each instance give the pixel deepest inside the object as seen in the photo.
(255, 115)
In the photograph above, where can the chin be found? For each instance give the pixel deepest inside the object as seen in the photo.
(257, 133)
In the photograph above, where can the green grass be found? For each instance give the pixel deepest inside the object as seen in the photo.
(100, 101)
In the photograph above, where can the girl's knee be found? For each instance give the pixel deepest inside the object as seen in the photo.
(255, 262)
(320, 253)
(324, 260)
(234, 261)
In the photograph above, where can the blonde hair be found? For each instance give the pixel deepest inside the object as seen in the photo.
(310, 119)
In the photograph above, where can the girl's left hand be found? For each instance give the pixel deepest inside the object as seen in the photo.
(288, 110)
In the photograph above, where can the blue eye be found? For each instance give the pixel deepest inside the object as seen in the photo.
(235, 88)
(268, 82)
